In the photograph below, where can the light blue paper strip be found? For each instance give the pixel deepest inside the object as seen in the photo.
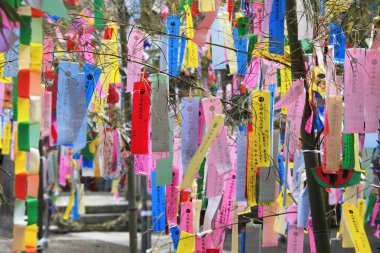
(189, 129)
(164, 54)
(67, 75)
(218, 52)
(11, 61)
(241, 44)
(276, 27)
(303, 209)
(173, 26)
(297, 163)
(158, 205)
(241, 163)
(80, 114)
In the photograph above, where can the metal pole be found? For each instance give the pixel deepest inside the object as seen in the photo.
(146, 241)
(124, 18)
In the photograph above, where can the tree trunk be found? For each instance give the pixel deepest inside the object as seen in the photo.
(312, 159)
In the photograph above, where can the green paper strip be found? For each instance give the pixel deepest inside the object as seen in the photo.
(34, 135)
(251, 45)
(98, 14)
(164, 166)
(369, 209)
(182, 4)
(23, 136)
(55, 7)
(200, 180)
(32, 210)
(348, 161)
(37, 35)
(25, 30)
(15, 98)
(243, 26)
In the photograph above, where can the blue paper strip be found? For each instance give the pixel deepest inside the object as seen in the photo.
(158, 205)
(175, 232)
(218, 53)
(272, 88)
(66, 102)
(241, 160)
(303, 209)
(80, 114)
(241, 44)
(173, 26)
(92, 75)
(276, 27)
(339, 41)
(189, 130)
(11, 61)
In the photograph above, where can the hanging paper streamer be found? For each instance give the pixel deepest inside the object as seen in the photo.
(186, 242)
(173, 26)
(66, 102)
(241, 163)
(261, 128)
(186, 217)
(356, 229)
(135, 52)
(172, 198)
(276, 27)
(372, 92)
(92, 75)
(291, 95)
(160, 116)
(305, 23)
(338, 40)
(189, 129)
(295, 239)
(217, 47)
(228, 42)
(241, 55)
(348, 160)
(191, 47)
(140, 117)
(333, 137)
(164, 166)
(355, 75)
(251, 169)
(202, 29)
(197, 159)
(175, 234)
(158, 205)
(269, 235)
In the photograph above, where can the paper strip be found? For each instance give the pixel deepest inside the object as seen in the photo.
(295, 239)
(197, 159)
(135, 51)
(173, 26)
(158, 205)
(160, 117)
(241, 163)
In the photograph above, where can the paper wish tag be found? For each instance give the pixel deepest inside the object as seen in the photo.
(173, 25)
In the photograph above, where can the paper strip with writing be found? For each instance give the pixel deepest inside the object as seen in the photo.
(202, 29)
(173, 26)
(159, 114)
(158, 205)
(355, 75)
(241, 163)
(135, 52)
(217, 47)
(189, 129)
(197, 159)
(333, 138)
(140, 117)
(372, 92)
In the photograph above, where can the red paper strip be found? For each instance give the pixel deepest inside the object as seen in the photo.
(23, 83)
(20, 186)
(140, 117)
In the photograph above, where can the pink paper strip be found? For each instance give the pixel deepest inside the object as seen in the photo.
(141, 165)
(258, 18)
(372, 91)
(186, 218)
(295, 112)
(375, 212)
(293, 93)
(269, 235)
(135, 53)
(202, 29)
(250, 79)
(354, 79)
(48, 53)
(295, 239)
(172, 199)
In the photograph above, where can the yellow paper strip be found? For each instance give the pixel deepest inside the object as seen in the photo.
(197, 159)
(23, 109)
(261, 129)
(7, 139)
(31, 236)
(356, 229)
(36, 52)
(191, 47)
(206, 5)
(186, 243)
(69, 206)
